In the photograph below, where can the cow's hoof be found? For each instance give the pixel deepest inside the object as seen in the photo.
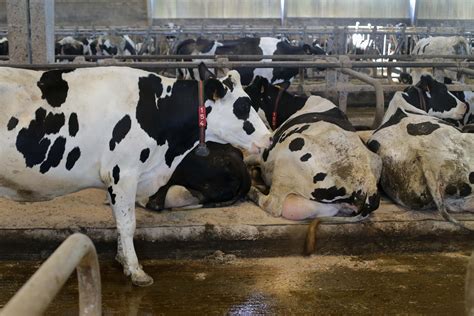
(141, 279)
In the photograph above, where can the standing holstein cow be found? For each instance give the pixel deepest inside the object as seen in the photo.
(117, 128)
(317, 166)
(427, 162)
(248, 46)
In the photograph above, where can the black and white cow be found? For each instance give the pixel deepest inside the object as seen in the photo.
(3, 46)
(438, 45)
(117, 128)
(272, 102)
(431, 97)
(427, 162)
(317, 166)
(216, 180)
(248, 46)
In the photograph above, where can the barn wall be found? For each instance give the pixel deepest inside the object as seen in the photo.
(101, 12)
(3, 12)
(180, 9)
(446, 10)
(348, 8)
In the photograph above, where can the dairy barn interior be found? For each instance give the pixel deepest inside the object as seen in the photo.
(251, 157)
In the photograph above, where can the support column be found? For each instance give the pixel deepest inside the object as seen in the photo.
(30, 31)
(18, 31)
(42, 31)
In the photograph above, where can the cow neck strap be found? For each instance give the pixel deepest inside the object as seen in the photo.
(275, 107)
(421, 98)
(202, 149)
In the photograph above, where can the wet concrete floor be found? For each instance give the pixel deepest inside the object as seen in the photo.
(419, 283)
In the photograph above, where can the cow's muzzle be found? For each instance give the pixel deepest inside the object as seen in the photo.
(259, 147)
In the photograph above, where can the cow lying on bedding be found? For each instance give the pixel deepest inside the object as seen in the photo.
(317, 166)
(216, 180)
(117, 128)
(427, 162)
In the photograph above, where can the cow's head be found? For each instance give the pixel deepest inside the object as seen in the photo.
(314, 49)
(434, 98)
(232, 118)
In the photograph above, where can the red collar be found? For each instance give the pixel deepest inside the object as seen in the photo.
(202, 149)
(275, 107)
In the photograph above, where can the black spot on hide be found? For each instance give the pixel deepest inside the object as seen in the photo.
(374, 146)
(393, 120)
(451, 189)
(242, 108)
(465, 189)
(144, 154)
(112, 195)
(296, 144)
(73, 124)
(116, 174)
(248, 128)
(421, 129)
(305, 157)
(328, 194)
(121, 130)
(53, 87)
(55, 155)
(31, 142)
(12, 123)
(319, 177)
(72, 157)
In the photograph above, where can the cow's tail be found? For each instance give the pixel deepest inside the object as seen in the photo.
(436, 191)
(310, 243)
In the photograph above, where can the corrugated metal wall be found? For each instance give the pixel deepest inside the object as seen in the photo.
(348, 8)
(219, 9)
(446, 9)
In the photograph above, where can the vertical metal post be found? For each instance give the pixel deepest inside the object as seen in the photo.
(42, 31)
(18, 18)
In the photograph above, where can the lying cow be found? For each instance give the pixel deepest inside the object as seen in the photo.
(216, 180)
(426, 162)
(3, 46)
(63, 131)
(431, 97)
(439, 45)
(317, 166)
(247, 46)
(272, 102)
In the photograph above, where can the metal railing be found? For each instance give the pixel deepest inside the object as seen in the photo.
(77, 251)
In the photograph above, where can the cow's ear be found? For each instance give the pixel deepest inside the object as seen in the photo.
(214, 89)
(447, 80)
(284, 85)
(204, 72)
(307, 49)
(426, 82)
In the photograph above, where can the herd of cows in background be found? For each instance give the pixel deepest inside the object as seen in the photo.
(311, 161)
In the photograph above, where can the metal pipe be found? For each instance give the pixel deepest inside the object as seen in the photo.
(250, 64)
(38, 292)
(260, 57)
(379, 97)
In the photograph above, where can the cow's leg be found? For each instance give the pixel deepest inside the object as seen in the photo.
(271, 203)
(296, 207)
(122, 199)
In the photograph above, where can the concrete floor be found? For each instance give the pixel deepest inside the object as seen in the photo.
(28, 229)
(418, 283)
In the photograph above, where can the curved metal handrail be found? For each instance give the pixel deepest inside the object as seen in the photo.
(77, 251)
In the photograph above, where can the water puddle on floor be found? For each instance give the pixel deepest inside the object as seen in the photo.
(375, 284)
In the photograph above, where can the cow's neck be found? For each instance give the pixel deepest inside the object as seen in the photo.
(288, 105)
(171, 120)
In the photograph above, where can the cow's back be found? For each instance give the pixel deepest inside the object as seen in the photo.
(61, 129)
